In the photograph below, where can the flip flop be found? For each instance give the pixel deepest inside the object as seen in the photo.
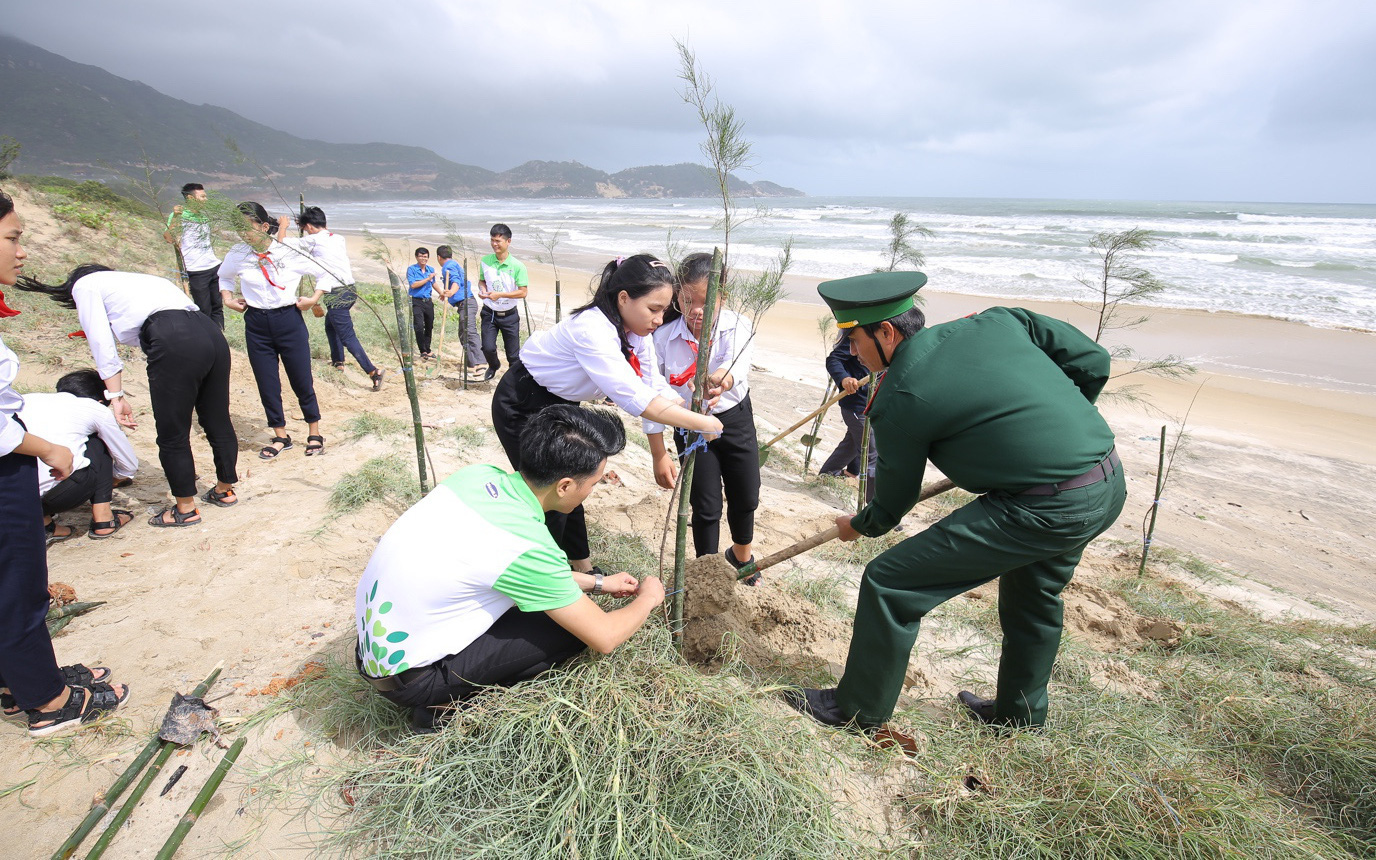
(179, 519)
(115, 525)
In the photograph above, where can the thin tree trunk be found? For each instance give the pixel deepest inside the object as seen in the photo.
(408, 372)
(705, 344)
(817, 426)
(1155, 503)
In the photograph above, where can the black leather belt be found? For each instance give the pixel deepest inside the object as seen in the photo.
(1099, 472)
(500, 313)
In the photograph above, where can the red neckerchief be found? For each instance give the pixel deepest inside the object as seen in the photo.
(6, 310)
(262, 266)
(874, 390)
(634, 361)
(78, 333)
(682, 378)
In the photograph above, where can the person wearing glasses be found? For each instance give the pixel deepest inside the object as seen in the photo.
(602, 350)
(731, 462)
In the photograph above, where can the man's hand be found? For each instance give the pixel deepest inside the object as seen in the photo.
(305, 303)
(850, 385)
(620, 585)
(234, 304)
(666, 470)
(848, 534)
(283, 225)
(59, 461)
(123, 412)
(651, 589)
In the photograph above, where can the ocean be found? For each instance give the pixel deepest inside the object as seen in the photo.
(1311, 263)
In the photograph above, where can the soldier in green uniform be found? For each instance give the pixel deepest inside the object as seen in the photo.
(1002, 402)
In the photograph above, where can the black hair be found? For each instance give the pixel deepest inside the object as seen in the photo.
(419, 251)
(61, 293)
(907, 324)
(84, 383)
(691, 269)
(444, 252)
(6, 204)
(189, 188)
(635, 276)
(500, 230)
(311, 216)
(568, 441)
(255, 212)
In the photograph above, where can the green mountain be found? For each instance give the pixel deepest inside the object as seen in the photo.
(81, 121)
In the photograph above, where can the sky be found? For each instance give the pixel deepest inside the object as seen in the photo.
(1238, 100)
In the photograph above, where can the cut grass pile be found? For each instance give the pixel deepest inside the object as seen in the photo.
(381, 479)
(372, 424)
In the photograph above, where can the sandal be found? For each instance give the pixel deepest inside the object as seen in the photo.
(218, 498)
(271, 450)
(75, 674)
(376, 377)
(94, 700)
(337, 365)
(50, 529)
(122, 519)
(315, 445)
(179, 519)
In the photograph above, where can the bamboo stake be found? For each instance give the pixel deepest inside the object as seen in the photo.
(864, 466)
(556, 300)
(439, 350)
(463, 325)
(102, 802)
(1155, 503)
(525, 312)
(71, 609)
(169, 848)
(408, 373)
(764, 449)
(704, 362)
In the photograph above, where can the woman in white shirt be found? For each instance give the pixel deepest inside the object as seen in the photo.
(268, 273)
(54, 697)
(188, 370)
(76, 417)
(602, 350)
(731, 462)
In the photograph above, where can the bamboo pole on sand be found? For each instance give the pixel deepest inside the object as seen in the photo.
(705, 344)
(102, 802)
(408, 373)
(169, 848)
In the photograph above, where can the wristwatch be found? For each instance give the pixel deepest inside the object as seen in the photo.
(111, 395)
(597, 583)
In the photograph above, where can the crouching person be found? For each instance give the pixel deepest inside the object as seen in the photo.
(436, 626)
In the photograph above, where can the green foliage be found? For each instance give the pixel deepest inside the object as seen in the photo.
(372, 424)
(379, 479)
(9, 151)
(901, 251)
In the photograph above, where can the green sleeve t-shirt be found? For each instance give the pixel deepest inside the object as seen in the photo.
(445, 571)
(1003, 400)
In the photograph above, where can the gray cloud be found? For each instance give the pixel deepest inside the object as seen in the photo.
(1072, 98)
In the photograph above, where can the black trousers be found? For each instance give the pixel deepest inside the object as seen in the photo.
(517, 647)
(188, 369)
(205, 292)
(280, 333)
(27, 663)
(517, 399)
(730, 463)
(510, 327)
(94, 483)
(339, 328)
(423, 321)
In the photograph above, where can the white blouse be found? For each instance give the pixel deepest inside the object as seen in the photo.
(674, 345)
(580, 359)
(11, 434)
(113, 306)
(67, 420)
(332, 253)
(269, 280)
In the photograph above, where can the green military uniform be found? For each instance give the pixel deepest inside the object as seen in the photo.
(1001, 402)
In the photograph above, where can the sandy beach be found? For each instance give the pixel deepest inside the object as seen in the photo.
(1275, 489)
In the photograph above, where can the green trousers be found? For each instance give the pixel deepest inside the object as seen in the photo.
(1030, 543)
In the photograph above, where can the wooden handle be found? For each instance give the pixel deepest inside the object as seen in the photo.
(933, 489)
(814, 413)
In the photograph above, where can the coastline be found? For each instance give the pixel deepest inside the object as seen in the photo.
(1266, 381)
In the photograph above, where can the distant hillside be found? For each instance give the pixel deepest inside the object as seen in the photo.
(78, 120)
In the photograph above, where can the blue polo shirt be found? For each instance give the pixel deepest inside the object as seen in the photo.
(454, 273)
(417, 272)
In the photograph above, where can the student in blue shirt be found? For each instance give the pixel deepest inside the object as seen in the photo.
(420, 280)
(455, 287)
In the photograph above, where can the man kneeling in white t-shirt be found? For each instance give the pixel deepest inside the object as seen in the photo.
(435, 625)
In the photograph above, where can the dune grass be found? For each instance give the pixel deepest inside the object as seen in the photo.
(373, 424)
(381, 479)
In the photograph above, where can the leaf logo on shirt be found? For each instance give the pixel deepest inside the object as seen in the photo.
(378, 659)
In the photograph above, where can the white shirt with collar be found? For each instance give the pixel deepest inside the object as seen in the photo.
(674, 346)
(113, 306)
(332, 253)
(197, 251)
(67, 420)
(11, 402)
(269, 280)
(580, 359)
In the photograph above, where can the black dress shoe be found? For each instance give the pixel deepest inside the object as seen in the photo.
(490, 375)
(821, 706)
(977, 708)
